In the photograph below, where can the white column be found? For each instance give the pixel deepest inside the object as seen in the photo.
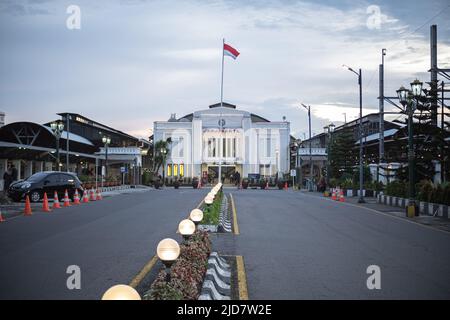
(3, 168)
(16, 163)
(28, 169)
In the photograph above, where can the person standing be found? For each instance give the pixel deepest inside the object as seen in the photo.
(7, 179)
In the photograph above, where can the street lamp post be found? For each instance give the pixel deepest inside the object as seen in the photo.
(106, 141)
(409, 100)
(163, 154)
(57, 129)
(329, 130)
(311, 168)
(361, 169)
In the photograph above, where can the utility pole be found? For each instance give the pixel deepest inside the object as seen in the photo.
(433, 74)
(361, 169)
(381, 110)
(67, 142)
(311, 167)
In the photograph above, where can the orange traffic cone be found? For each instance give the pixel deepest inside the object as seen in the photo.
(99, 194)
(1, 217)
(341, 196)
(85, 196)
(66, 199)
(45, 206)
(56, 204)
(92, 196)
(76, 197)
(27, 211)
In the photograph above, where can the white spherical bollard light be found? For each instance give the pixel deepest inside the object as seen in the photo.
(168, 251)
(186, 228)
(196, 216)
(121, 292)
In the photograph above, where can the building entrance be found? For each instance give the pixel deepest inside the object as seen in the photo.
(227, 174)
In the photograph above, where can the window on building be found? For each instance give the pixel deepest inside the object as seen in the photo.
(175, 170)
(234, 148)
(169, 170)
(224, 147)
(181, 170)
(212, 147)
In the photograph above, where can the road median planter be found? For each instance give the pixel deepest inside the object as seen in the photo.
(217, 216)
(187, 273)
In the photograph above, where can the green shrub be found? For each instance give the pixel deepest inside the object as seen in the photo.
(147, 177)
(211, 214)
(446, 194)
(424, 190)
(396, 189)
(347, 183)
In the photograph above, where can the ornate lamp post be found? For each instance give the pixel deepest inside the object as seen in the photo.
(329, 130)
(409, 100)
(106, 141)
(57, 129)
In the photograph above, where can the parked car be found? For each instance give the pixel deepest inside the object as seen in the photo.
(46, 181)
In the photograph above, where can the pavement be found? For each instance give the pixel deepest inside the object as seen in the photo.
(110, 240)
(298, 245)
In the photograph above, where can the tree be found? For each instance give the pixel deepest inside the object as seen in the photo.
(342, 154)
(159, 157)
(430, 143)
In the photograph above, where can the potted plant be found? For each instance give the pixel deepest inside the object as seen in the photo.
(245, 183)
(280, 184)
(262, 184)
(195, 182)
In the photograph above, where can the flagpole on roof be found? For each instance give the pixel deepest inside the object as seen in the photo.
(221, 84)
(220, 118)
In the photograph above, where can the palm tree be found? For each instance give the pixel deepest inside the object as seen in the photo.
(161, 152)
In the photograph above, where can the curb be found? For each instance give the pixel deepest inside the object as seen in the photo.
(224, 217)
(217, 283)
(425, 208)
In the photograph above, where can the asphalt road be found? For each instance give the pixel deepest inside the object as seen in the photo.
(297, 246)
(110, 240)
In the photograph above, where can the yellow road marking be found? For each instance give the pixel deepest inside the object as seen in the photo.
(145, 270)
(200, 204)
(242, 278)
(235, 222)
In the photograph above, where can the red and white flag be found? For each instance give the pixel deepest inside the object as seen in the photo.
(230, 51)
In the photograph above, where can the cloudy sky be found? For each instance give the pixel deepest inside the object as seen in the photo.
(135, 61)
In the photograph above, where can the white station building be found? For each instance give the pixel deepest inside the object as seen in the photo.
(247, 143)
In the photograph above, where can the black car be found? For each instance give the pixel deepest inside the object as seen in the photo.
(46, 181)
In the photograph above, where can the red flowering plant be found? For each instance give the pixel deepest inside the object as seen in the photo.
(187, 273)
